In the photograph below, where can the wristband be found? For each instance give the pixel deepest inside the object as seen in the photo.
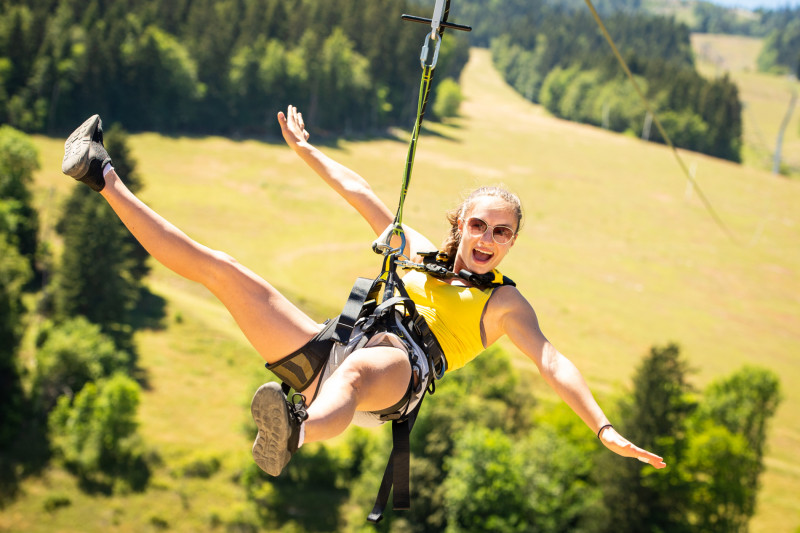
(599, 431)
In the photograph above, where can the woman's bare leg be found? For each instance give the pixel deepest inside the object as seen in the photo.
(370, 379)
(272, 324)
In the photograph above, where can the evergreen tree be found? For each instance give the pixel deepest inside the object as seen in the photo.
(103, 265)
(18, 160)
(14, 274)
(95, 278)
(728, 457)
(655, 417)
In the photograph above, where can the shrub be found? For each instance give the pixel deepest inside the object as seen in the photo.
(448, 99)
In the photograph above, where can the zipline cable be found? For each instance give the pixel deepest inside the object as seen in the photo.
(681, 163)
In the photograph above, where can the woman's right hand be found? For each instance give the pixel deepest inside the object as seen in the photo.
(292, 127)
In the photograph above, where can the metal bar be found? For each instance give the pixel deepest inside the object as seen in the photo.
(423, 20)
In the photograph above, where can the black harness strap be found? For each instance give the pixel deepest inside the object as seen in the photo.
(398, 470)
(359, 295)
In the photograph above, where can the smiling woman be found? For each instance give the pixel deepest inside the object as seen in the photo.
(381, 374)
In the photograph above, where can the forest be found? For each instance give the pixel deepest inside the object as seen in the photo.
(226, 67)
(781, 52)
(209, 66)
(578, 78)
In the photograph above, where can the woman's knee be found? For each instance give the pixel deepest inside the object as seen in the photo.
(377, 376)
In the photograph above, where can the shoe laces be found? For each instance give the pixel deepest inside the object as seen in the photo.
(297, 408)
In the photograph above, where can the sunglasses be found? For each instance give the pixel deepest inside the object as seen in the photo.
(477, 228)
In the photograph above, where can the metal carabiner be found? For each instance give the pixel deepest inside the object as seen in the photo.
(423, 57)
(383, 244)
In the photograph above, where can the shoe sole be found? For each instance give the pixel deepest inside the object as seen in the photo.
(76, 148)
(269, 411)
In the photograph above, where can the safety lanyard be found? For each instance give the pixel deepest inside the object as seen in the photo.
(428, 59)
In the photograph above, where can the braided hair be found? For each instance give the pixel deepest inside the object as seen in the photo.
(453, 238)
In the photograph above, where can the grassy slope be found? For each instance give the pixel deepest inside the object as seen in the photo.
(615, 256)
(766, 98)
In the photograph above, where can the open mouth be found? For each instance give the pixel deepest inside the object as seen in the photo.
(481, 256)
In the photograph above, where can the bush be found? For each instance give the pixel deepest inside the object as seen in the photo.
(685, 129)
(69, 355)
(56, 501)
(95, 435)
(201, 464)
(448, 99)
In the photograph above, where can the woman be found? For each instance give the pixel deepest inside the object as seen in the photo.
(376, 377)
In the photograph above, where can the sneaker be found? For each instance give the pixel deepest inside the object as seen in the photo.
(278, 422)
(84, 154)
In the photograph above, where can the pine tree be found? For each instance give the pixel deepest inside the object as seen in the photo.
(14, 273)
(18, 160)
(95, 278)
(655, 418)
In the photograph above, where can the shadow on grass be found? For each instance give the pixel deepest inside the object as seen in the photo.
(332, 140)
(150, 311)
(28, 454)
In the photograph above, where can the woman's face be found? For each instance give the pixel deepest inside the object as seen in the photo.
(481, 251)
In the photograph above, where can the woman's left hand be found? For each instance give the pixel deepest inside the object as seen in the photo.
(622, 446)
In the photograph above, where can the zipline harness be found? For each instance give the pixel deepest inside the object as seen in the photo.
(383, 305)
(397, 470)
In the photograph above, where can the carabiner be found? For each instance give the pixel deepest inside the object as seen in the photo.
(383, 244)
(423, 57)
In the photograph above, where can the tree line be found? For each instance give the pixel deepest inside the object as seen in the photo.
(558, 58)
(714, 18)
(781, 51)
(210, 66)
(780, 27)
(77, 403)
(485, 455)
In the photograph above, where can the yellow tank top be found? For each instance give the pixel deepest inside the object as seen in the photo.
(453, 313)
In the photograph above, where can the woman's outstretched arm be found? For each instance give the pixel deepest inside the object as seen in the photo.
(516, 318)
(350, 185)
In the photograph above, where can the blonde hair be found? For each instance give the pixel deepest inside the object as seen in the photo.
(453, 238)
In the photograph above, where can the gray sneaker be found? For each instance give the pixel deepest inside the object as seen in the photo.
(84, 154)
(278, 422)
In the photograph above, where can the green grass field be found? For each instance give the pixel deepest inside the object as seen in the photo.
(617, 255)
(766, 98)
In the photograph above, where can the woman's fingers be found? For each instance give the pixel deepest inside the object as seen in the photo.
(622, 446)
(650, 458)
